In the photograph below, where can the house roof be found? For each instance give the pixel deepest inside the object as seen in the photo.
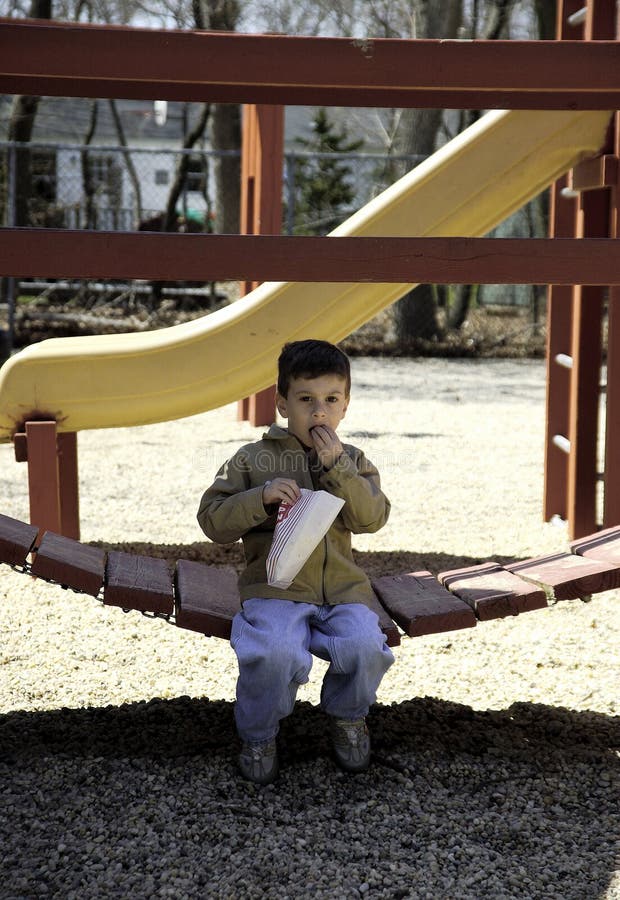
(67, 119)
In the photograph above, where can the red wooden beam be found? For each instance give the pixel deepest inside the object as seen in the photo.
(58, 253)
(597, 172)
(65, 59)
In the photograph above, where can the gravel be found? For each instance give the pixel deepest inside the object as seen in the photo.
(495, 769)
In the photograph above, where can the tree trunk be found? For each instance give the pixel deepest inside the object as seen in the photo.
(87, 175)
(169, 218)
(21, 124)
(131, 169)
(223, 15)
(416, 312)
(226, 136)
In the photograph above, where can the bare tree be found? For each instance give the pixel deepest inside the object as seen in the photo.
(21, 124)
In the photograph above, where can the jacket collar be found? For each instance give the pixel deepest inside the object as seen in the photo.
(277, 433)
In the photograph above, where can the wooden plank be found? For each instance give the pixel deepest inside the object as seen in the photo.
(56, 253)
(20, 446)
(492, 591)
(604, 546)
(567, 575)
(207, 598)
(138, 582)
(420, 605)
(420, 98)
(598, 172)
(16, 540)
(66, 59)
(70, 563)
(386, 623)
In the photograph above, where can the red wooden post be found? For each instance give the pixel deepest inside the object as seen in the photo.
(593, 221)
(66, 444)
(571, 483)
(563, 211)
(53, 479)
(559, 328)
(261, 212)
(611, 499)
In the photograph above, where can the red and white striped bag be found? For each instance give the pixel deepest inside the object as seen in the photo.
(299, 528)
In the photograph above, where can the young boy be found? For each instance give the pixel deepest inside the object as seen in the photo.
(323, 612)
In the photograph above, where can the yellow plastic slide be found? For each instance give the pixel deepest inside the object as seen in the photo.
(465, 189)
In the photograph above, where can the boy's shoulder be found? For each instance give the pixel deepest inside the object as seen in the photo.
(271, 440)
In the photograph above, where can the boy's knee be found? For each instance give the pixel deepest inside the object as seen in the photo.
(273, 658)
(366, 653)
(290, 663)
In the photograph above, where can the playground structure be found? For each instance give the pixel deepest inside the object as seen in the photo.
(427, 227)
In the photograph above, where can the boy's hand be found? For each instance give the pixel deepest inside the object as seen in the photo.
(280, 490)
(327, 444)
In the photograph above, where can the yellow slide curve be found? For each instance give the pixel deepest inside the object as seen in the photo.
(465, 189)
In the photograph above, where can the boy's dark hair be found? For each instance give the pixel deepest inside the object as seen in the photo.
(311, 359)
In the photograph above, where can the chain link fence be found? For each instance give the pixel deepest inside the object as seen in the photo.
(113, 188)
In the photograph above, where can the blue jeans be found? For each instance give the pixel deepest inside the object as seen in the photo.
(274, 641)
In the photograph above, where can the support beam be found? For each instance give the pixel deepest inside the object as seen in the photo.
(65, 59)
(58, 253)
(262, 159)
(611, 498)
(53, 479)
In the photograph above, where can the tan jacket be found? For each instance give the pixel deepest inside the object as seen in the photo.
(232, 508)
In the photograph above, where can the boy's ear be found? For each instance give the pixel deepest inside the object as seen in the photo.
(281, 405)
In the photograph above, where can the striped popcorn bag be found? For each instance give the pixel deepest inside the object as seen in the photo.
(299, 528)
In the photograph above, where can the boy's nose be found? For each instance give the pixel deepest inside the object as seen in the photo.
(318, 412)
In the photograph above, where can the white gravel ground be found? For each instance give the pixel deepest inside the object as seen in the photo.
(496, 770)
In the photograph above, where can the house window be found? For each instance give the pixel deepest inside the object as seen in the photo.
(107, 176)
(195, 178)
(43, 174)
(162, 176)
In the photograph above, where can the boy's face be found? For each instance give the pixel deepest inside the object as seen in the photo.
(313, 401)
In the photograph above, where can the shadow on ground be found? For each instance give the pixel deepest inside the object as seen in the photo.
(144, 800)
(374, 563)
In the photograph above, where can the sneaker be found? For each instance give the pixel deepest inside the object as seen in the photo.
(351, 743)
(259, 761)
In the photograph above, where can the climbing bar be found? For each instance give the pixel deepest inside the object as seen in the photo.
(564, 360)
(55, 253)
(561, 442)
(68, 59)
(578, 18)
